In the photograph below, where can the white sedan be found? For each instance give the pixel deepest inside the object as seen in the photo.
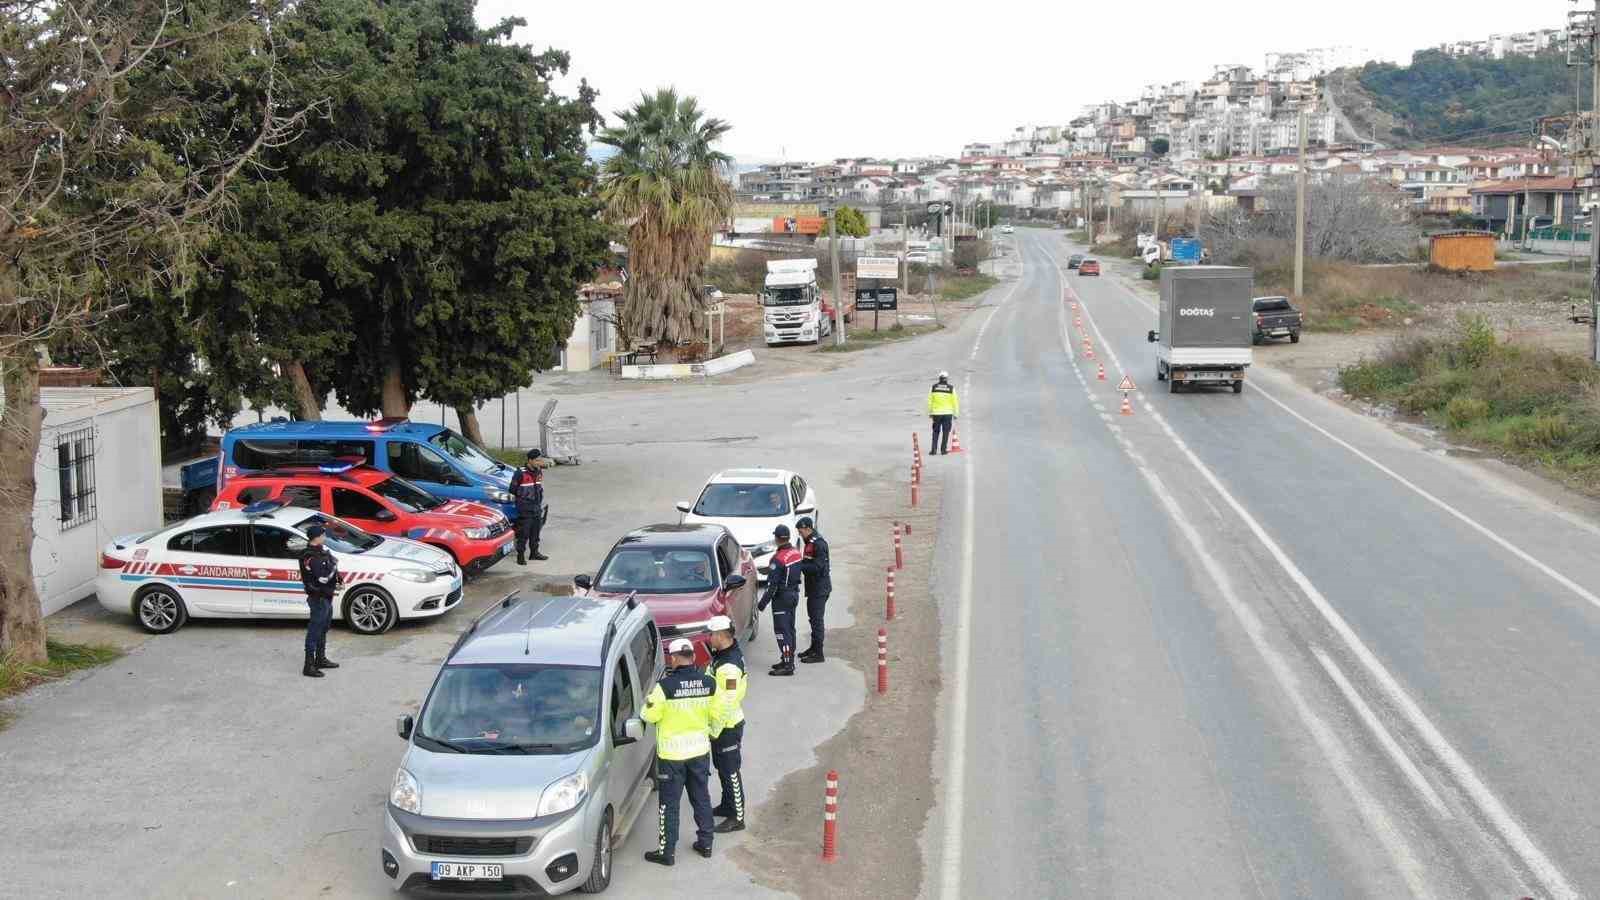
(751, 503)
(244, 563)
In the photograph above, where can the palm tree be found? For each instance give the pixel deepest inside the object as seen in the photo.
(664, 184)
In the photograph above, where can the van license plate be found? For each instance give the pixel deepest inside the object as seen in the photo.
(1208, 376)
(467, 871)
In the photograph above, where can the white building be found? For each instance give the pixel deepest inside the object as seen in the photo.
(98, 477)
(594, 332)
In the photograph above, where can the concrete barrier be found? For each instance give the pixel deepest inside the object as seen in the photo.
(674, 371)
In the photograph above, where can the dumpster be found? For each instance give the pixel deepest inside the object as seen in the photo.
(563, 443)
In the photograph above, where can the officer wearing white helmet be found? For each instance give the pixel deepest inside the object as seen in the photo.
(943, 407)
(727, 670)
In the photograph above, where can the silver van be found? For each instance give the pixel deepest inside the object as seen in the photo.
(528, 761)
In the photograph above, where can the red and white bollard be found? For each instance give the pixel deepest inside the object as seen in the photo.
(899, 554)
(830, 817)
(883, 661)
(916, 486)
(888, 596)
(1102, 375)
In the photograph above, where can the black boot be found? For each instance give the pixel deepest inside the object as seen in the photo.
(813, 654)
(659, 857)
(703, 850)
(322, 661)
(785, 665)
(311, 670)
(539, 556)
(728, 825)
(521, 560)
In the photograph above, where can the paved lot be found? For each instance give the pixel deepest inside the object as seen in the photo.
(203, 765)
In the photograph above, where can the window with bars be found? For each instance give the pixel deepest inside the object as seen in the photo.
(75, 477)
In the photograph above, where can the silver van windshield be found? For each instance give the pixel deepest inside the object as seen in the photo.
(506, 708)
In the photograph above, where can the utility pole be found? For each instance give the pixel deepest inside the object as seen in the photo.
(1594, 181)
(1088, 205)
(838, 286)
(1300, 210)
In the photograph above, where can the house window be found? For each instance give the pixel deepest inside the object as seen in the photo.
(75, 477)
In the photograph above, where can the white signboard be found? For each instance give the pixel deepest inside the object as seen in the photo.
(878, 267)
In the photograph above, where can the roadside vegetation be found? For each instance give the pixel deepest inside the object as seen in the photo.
(862, 338)
(1528, 404)
(965, 287)
(61, 659)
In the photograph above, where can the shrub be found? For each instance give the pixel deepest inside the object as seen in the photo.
(1151, 273)
(1464, 410)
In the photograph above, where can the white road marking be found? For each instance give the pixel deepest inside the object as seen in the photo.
(1492, 809)
(1390, 745)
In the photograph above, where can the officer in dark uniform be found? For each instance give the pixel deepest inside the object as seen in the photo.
(319, 572)
(683, 708)
(815, 566)
(783, 593)
(727, 670)
(527, 486)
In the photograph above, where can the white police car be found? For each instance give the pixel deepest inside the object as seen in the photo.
(244, 563)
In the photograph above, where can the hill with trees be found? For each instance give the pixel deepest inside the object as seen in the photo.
(1443, 99)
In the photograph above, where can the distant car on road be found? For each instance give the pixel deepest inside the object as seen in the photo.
(1275, 317)
(1075, 260)
(1007, 229)
(750, 503)
(686, 574)
(475, 535)
(1089, 267)
(244, 563)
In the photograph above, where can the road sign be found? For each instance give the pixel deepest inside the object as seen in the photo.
(878, 267)
(1127, 384)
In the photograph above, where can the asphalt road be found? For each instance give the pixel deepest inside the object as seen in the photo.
(1244, 645)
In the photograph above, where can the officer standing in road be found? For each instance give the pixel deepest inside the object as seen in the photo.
(682, 706)
(943, 407)
(815, 566)
(527, 486)
(727, 670)
(319, 572)
(783, 593)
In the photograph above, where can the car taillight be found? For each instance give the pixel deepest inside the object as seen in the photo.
(111, 562)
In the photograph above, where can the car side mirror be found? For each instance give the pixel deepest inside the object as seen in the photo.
(805, 510)
(583, 581)
(296, 545)
(1151, 336)
(733, 582)
(403, 726)
(385, 516)
(632, 730)
(683, 506)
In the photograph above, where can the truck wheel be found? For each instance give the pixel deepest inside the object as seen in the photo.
(1238, 387)
(1255, 340)
(1161, 374)
(1173, 385)
(1294, 337)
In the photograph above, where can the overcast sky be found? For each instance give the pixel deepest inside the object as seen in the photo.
(816, 80)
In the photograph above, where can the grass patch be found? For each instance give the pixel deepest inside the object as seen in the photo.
(511, 456)
(859, 338)
(63, 659)
(963, 287)
(1532, 405)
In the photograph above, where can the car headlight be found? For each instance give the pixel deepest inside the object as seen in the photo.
(477, 534)
(420, 576)
(563, 795)
(501, 497)
(406, 794)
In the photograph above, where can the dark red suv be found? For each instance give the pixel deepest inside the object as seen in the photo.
(478, 536)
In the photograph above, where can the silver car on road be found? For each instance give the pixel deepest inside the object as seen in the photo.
(528, 762)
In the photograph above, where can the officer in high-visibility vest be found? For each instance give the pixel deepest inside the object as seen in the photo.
(727, 670)
(682, 706)
(943, 407)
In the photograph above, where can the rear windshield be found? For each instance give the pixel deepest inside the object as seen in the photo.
(506, 708)
(1269, 304)
(406, 495)
(743, 500)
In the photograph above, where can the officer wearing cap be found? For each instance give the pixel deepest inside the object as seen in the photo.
(527, 486)
(783, 593)
(815, 565)
(727, 670)
(683, 708)
(943, 407)
(319, 572)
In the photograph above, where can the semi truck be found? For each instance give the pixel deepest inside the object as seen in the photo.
(1204, 333)
(792, 308)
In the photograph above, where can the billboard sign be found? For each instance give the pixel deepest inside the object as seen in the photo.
(878, 267)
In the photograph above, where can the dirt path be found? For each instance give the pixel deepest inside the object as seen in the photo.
(884, 754)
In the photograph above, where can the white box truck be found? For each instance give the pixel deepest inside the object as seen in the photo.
(1203, 336)
(792, 303)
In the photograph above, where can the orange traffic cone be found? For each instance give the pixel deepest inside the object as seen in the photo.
(1127, 406)
(955, 440)
(1102, 375)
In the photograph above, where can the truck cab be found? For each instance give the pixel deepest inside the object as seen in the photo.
(792, 307)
